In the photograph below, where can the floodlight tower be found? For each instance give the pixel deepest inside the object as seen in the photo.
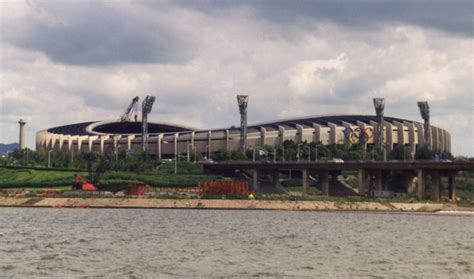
(243, 101)
(147, 104)
(379, 104)
(425, 114)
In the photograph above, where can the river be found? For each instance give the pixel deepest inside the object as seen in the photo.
(162, 243)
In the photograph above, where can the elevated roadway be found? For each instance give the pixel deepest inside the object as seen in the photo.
(369, 173)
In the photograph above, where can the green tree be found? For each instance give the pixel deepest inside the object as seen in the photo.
(423, 153)
(221, 155)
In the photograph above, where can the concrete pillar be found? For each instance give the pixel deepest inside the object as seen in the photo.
(61, 141)
(362, 177)
(209, 145)
(226, 139)
(378, 180)
(256, 182)
(175, 144)
(420, 133)
(388, 135)
(400, 132)
(304, 178)
(333, 134)
(69, 143)
(158, 146)
(299, 136)
(282, 133)
(443, 140)
(317, 133)
(449, 141)
(22, 134)
(451, 187)
(49, 140)
(324, 178)
(435, 135)
(434, 139)
(435, 182)
(411, 137)
(421, 184)
(263, 136)
(102, 141)
(412, 182)
(347, 139)
(276, 179)
(89, 144)
(362, 138)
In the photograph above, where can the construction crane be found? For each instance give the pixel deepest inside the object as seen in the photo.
(146, 109)
(131, 110)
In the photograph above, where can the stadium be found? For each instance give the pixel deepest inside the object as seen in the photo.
(168, 141)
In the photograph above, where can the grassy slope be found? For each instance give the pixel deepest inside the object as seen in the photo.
(188, 175)
(34, 178)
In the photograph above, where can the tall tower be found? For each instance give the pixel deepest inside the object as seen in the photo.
(425, 114)
(379, 104)
(146, 109)
(22, 133)
(243, 101)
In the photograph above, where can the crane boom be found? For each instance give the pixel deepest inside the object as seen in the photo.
(131, 109)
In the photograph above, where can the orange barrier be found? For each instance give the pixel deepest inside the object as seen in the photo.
(223, 187)
(136, 190)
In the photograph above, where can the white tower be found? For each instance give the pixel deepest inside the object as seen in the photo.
(22, 134)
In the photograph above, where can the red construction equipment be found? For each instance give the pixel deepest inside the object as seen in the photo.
(79, 181)
(222, 187)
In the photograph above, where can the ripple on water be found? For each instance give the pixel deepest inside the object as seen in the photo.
(220, 243)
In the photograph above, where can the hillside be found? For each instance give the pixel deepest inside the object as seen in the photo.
(4, 148)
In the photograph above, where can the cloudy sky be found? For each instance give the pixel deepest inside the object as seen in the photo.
(63, 62)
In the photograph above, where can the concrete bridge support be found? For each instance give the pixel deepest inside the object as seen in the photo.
(378, 180)
(362, 177)
(256, 180)
(304, 177)
(421, 184)
(435, 186)
(324, 178)
(276, 179)
(451, 188)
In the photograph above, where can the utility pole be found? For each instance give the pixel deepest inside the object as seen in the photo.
(187, 150)
(49, 158)
(316, 158)
(282, 153)
(175, 165)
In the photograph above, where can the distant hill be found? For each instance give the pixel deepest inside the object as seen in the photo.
(4, 148)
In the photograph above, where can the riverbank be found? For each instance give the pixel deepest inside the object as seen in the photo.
(228, 204)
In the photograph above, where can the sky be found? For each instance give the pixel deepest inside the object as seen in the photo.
(64, 62)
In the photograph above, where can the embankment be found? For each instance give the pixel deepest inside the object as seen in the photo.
(229, 204)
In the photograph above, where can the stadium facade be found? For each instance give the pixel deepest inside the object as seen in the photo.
(167, 141)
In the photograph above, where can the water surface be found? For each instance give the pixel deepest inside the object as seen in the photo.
(161, 243)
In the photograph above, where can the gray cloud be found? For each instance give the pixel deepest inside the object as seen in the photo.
(450, 16)
(96, 33)
(66, 63)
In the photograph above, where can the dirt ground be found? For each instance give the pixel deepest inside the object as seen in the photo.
(228, 204)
